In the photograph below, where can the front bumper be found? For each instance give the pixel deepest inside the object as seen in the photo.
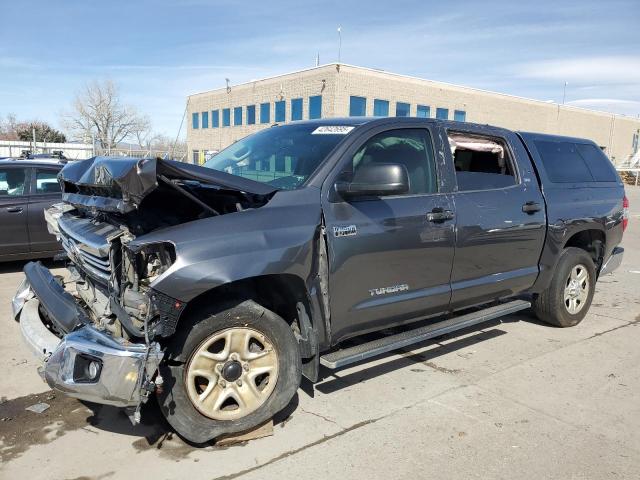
(614, 261)
(121, 371)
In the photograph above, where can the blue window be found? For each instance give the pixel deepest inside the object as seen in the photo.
(402, 109)
(281, 111)
(237, 116)
(195, 120)
(315, 106)
(296, 109)
(215, 118)
(423, 111)
(226, 117)
(265, 112)
(357, 106)
(380, 108)
(205, 119)
(251, 114)
(442, 113)
(459, 115)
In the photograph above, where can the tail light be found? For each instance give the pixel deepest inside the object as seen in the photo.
(625, 213)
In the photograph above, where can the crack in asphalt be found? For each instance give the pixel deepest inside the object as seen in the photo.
(599, 334)
(327, 419)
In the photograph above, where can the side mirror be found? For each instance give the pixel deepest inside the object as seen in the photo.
(377, 179)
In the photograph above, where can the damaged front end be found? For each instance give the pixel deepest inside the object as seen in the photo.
(100, 332)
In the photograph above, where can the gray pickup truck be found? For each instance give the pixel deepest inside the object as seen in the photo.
(216, 288)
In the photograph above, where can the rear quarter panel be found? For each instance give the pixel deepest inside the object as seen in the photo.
(572, 208)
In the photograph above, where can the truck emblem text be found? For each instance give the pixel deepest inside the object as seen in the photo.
(344, 230)
(386, 290)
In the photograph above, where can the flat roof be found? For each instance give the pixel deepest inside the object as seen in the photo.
(414, 78)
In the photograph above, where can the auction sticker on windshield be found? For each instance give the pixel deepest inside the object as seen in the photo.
(332, 130)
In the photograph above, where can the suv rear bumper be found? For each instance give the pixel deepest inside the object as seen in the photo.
(87, 363)
(614, 261)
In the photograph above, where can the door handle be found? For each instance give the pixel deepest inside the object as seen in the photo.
(14, 209)
(439, 214)
(531, 207)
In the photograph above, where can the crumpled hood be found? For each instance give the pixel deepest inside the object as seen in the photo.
(119, 184)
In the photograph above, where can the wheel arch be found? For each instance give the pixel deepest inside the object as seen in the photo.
(591, 240)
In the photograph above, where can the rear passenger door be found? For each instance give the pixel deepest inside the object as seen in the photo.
(14, 189)
(500, 216)
(45, 191)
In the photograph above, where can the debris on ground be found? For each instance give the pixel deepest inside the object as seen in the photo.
(38, 407)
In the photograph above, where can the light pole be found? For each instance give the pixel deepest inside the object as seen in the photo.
(564, 92)
(339, 42)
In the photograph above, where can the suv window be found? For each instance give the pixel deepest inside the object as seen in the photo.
(409, 147)
(12, 181)
(481, 163)
(562, 162)
(47, 181)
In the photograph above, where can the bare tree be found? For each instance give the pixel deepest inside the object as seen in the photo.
(145, 137)
(9, 127)
(98, 110)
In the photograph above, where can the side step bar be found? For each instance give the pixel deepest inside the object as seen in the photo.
(354, 354)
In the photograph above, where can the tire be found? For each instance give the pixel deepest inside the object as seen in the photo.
(232, 324)
(557, 305)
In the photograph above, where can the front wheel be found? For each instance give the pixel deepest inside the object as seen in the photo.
(229, 371)
(567, 299)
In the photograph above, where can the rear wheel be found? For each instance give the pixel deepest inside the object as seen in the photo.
(567, 299)
(229, 371)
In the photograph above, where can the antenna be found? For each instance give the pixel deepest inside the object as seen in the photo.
(339, 42)
(318, 59)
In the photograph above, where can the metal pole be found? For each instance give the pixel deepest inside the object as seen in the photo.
(564, 92)
(33, 132)
(339, 43)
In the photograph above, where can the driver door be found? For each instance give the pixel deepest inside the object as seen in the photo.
(389, 261)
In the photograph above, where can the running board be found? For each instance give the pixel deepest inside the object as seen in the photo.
(350, 355)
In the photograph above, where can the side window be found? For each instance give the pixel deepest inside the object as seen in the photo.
(47, 182)
(482, 163)
(599, 165)
(12, 181)
(409, 147)
(562, 162)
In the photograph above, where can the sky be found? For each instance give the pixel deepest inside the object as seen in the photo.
(159, 51)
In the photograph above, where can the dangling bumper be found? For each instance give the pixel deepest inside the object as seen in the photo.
(86, 363)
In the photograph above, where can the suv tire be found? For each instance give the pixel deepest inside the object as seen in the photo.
(229, 369)
(568, 297)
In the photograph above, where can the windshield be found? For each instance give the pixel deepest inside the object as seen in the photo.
(281, 156)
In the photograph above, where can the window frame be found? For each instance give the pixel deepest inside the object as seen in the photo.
(276, 116)
(237, 110)
(380, 101)
(295, 103)
(26, 191)
(268, 109)
(442, 109)
(509, 150)
(346, 161)
(34, 180)
(427, 108)
(251, 109)
(408, 110)
(311, 99)
(364, 105)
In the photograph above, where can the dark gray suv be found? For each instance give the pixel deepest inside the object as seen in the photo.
(27, 188)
